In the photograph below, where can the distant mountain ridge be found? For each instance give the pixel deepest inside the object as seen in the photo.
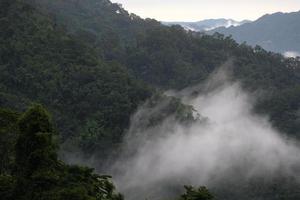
(278, 32)
(208, 24)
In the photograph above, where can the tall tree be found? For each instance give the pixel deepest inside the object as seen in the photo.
(200, 193)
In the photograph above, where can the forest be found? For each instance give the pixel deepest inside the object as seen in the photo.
(72, 73)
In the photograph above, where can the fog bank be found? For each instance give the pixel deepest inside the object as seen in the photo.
(228, 141)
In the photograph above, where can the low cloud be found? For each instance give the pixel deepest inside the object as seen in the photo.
(227, 139)
(291, 54)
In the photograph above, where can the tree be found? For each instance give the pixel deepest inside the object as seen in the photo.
(200, 193)
(40, 175)
(37, 166)
(35, 148)
(8, 137)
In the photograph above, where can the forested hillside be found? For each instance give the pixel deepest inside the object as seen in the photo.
(171, 58)
(42, 63)
(92, 64)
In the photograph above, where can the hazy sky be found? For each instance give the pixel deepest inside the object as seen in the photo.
(193, 10)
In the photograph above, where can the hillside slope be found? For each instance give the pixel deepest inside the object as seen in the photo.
(40, 62)
(92, 64)
(165, 58)
(278, 32)
(171, 58)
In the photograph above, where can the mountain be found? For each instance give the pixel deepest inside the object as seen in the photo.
(92, 64)
(41, 62)
(278, 32)
(208, 24)
(101, 65)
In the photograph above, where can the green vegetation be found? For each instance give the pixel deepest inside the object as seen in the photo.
(91, 70)
(41, 63)
(171, 58)
(37, 172)
(284, 110)
(280, 188)
(91, 63)
(200, 193)
(8, 139)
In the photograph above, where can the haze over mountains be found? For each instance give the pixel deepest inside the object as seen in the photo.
(278, 32)
(208, 24)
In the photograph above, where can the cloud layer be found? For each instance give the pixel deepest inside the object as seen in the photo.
(227, 139)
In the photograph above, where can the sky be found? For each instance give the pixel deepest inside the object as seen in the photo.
(195, 10)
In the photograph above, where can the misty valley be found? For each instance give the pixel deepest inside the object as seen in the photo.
(97, 103)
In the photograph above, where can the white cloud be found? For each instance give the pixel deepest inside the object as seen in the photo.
(231, 138)
(291, 54)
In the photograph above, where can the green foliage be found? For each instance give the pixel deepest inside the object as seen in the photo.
(200, 193)
(92, 70)
(42, 63)
(168, 57)
(35, 148)
(84, 72)
(281, 187)
(35, 120)
(7, 184)
(168, 107)
(8, 138)
(283, 109)
(172, 58)
(38, 174)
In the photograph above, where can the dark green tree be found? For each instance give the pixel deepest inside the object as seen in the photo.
(8, 137)
(35, 148)
(200, 193)
(40, 175)
(37, 166)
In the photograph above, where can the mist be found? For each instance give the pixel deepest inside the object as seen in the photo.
(291, 54)
(227, 141)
